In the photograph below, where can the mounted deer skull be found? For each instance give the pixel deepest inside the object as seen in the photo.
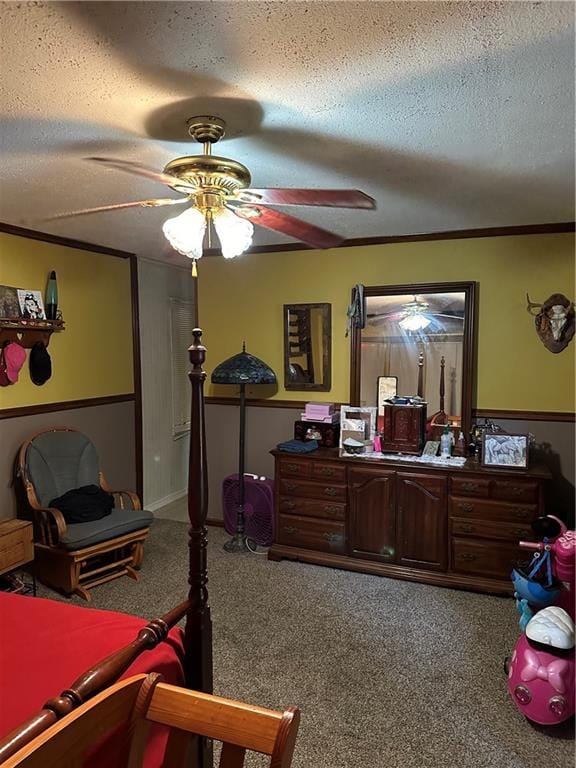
(554, 321)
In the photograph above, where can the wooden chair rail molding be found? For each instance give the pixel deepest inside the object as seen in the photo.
(477, 413)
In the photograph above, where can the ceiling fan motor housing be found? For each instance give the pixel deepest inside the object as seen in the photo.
(210, 173)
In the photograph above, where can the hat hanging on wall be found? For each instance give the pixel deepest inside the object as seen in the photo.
(14, 358)
(4, 380)
(40, 364)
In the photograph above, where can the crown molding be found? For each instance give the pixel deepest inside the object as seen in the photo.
(67, 242)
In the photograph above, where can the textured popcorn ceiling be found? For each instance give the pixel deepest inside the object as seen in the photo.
(451, 115)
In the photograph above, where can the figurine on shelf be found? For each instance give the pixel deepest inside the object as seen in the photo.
(52, 297)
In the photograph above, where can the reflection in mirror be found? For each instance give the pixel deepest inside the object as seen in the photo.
(307, 347)
(423, 336)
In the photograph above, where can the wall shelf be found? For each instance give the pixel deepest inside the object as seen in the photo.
(28, 332)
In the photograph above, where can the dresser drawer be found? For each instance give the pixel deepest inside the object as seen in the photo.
(16, 548)
(516, 490)
(493, 560)
(332, 471)
(499, 511)
(322, 535)
(294, 467)
(470, 486)
(330, 510)
(512, 532)
(313, 490)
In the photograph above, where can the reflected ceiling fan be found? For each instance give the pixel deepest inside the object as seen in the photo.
(414, 315)
(217, 192)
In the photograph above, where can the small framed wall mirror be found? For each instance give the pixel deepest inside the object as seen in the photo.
(307, 347)
(420, 340)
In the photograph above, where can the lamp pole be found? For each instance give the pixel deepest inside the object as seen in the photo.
(238, 542)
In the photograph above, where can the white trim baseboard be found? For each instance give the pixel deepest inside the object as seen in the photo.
(154, 506)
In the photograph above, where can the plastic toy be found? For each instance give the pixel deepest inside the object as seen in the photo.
(541, 669)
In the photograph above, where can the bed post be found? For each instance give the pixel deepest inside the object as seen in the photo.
(198, 631)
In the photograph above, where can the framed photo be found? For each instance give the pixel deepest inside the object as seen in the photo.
(431, 448)
(9, 304)
(386, 386)
(31, 304)
(500, 450)
(357, 428)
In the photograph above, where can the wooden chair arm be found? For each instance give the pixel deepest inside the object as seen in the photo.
(49, 525)
(119, 495)
(119, 499)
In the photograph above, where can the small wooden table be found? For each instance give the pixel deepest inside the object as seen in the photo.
(16, 546)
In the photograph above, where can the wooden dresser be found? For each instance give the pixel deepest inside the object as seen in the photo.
(456, 527)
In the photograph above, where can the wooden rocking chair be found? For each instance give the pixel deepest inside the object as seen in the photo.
(74, 557)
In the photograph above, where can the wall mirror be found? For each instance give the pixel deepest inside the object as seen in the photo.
(424, 335)
(307, 347)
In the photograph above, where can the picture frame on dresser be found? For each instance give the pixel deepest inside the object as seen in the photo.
(506, 451)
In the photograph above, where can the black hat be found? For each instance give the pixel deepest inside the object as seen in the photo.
(40, 364)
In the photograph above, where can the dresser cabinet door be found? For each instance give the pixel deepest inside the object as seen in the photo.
(372, 514)
(422, 521)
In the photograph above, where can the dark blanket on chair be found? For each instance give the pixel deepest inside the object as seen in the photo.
(81, 505)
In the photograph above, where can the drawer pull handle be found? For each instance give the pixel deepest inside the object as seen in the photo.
(521, 514)
(288, 504)
(332, 538)
(470, 486)
(326, 471)
(292, 467)
(330, 510)
(522, 532)
(330, 491)
(289, 529)
(467, 528)
(291, 486)
(516, 490)
(466, 507)
(468, 557)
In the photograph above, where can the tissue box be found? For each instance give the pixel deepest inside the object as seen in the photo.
(326, 434)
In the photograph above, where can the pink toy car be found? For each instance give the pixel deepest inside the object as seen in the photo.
(542, 667)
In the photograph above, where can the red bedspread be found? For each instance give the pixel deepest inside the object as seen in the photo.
(45, 645)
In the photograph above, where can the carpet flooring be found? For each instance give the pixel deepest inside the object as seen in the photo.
(388, 674)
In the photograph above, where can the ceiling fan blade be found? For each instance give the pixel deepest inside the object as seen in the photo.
(137, 169)
(157, 203)
(288, 225)
(331, 198)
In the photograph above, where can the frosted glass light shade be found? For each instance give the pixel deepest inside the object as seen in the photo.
(185, 232)
(415, 322)
(234, 233)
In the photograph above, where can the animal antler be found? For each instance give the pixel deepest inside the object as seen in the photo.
(531, 305)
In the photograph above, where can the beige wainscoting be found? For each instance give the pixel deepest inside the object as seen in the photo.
(111, 426)
(268, 426)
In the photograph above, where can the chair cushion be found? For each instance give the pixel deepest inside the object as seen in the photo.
(117, 523)
(59, 461)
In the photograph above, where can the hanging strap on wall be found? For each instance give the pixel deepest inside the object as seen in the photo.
(357, 310)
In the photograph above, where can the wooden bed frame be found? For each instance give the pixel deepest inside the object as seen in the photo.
(198, 628)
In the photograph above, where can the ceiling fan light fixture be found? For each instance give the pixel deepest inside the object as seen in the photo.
(414, 322)
(235, 234)
(185, 232)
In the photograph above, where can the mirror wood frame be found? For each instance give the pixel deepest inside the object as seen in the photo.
(326, 385)
(469, 340)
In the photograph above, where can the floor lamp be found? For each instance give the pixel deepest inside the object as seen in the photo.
(242, 369)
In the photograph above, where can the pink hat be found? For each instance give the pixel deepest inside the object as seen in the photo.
(15, 357)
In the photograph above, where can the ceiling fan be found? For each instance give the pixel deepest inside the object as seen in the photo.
(414, 315)
(217, 192)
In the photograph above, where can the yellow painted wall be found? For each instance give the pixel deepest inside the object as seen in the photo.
(92, 357)
(242, 300)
